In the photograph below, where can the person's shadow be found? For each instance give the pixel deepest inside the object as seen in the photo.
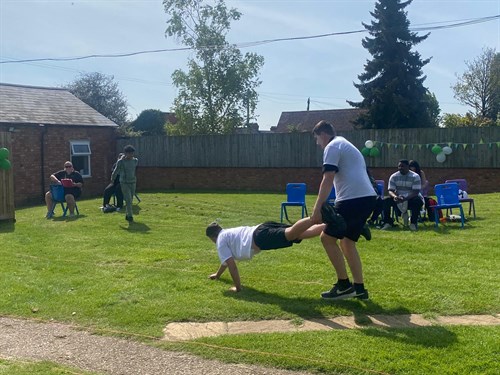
(377, 321)
(7, 226)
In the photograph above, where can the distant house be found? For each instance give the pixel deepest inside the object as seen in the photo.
(43, 127)
(304, 121)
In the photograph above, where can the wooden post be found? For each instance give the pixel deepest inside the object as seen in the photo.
(7, 210)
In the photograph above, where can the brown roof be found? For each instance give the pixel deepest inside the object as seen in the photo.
(46, 105)
(304, 121)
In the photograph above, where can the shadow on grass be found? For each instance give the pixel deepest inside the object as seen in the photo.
(429, 337)
(308, 308)
(397, 324)
(134, 226)
(7, 226)
(68, 218)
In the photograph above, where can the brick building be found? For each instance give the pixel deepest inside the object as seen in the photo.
(43, 127)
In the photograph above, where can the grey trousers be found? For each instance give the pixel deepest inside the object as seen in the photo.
(128, 190)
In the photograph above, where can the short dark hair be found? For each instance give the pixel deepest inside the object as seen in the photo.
(213, 230)
(404, 161)
(129, 148)
(324, 127)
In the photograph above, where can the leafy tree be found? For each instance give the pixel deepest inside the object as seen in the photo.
(217, 93)
(453, 120)
(149, 122)
(101, 93)
(392, 83)
(433, 108)
(479, 86)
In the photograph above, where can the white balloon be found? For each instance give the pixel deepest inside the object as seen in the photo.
(369, 144)
(441, 157)
(447, 150)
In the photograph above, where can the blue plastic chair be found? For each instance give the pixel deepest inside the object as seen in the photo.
(57, 192)
(447, 197)
(331, 198)
(296, 196)
(462, 185)
(380, 188)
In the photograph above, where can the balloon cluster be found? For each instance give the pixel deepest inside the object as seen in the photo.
(441, 152)
(4, 161)
(370, 149)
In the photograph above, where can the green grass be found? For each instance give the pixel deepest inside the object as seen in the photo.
(12, 367)
(98, 271)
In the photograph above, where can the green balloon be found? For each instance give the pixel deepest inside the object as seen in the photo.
(374, 151)
(5, 164)
(365, 151)
(436, 149)
(4, 153)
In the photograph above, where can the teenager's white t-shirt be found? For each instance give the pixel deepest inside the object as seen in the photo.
(235, 243)
(351, 181)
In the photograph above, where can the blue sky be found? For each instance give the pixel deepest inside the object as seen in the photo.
(323, 69)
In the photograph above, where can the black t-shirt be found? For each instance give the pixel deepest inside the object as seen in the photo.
(75, 177)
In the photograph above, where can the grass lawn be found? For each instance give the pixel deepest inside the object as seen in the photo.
(98, 271)
(12, 367)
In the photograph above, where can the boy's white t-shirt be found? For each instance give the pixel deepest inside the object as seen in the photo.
(351, 181)
(235, 243)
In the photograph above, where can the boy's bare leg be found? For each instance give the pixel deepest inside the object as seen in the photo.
(314, 231)
(348, 247)
(294, 232)
(335, 255)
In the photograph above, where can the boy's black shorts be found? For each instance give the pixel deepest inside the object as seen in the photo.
(271, 235)
(355, 213)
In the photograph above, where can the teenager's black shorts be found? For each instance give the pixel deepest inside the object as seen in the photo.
(355, 212)
(271, 235)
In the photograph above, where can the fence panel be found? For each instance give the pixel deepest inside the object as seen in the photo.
(471, 148)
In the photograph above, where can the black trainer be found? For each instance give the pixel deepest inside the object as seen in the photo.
(366, 232)
(338, 293)
(129, 218)
(363, 295)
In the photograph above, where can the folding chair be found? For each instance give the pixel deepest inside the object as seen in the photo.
(447, 197)
(296, 196)
(136, 197)
(462, 185)
(57, 192)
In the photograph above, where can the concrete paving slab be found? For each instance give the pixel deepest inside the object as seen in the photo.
(190, 331)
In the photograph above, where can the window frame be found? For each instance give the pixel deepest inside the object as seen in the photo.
(87, 155)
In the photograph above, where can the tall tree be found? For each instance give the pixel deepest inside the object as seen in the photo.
(479, 86)
(217, 93)
(150, 122)
(392, 84)
(101, 93)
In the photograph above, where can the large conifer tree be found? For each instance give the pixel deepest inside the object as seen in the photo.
(392, 84)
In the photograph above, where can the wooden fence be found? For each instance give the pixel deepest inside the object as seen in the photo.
(7, 211)
(471, 148)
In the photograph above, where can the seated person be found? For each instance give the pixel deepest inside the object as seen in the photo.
(70, 193)
(404, 189)
(242, 243)
(379, 205)
(113, 188)
(424, 191)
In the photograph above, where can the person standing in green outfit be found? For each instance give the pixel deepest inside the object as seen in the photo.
(125, 167)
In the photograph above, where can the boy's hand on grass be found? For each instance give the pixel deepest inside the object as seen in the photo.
(213, 276)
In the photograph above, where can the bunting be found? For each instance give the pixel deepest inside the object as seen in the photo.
(455, 145)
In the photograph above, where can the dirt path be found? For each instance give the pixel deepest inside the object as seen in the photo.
(27, 340)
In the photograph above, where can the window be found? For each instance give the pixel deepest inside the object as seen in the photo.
(80, 157)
